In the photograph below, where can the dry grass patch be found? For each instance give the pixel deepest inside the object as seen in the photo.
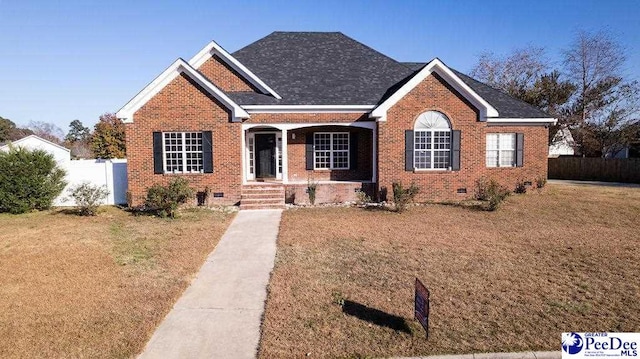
(95, 287)
(511, 280)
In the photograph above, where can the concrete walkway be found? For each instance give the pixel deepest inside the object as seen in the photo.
(219, 315)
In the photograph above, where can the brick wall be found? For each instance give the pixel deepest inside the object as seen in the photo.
(184, 106)
(224, 77)
(297, 156)
(435, 94)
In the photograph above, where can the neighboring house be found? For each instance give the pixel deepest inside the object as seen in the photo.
(630, 151)
(32, 142)
(562, 144)
(109, 173)
(60, 154)
(300, 107)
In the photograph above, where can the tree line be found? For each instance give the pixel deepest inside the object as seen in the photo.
(107, 140)
(587, 91)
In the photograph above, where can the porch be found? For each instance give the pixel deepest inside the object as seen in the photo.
(338, 157)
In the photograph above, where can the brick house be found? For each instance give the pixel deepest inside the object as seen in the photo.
(255, 126)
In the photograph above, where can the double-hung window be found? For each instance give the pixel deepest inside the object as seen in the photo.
(331, 150)
(432, 141)
(182, 152)
(501, 150)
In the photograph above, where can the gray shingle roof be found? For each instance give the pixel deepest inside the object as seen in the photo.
(253, 98)
(329, 68)
(321, 68)
(506, 105)
(415, 66)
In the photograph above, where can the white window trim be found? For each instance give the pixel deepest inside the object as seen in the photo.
(432, 150)
(498, 149)
(184, 153)
(331, 151)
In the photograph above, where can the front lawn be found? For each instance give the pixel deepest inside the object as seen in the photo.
(95, 287)
(511, 280)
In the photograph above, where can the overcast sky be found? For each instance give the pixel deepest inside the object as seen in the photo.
(66, 60)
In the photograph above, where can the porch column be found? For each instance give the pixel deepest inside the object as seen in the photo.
(285, 157)
(243, 151)
(374, 157)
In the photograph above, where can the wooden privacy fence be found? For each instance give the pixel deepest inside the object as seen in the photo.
(595, 169)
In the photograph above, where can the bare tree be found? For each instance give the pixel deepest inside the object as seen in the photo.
(48, 131)
(593, 62)
(604, 104)
(514, 74)
(526, 75)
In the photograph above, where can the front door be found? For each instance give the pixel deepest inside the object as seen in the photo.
(265, 155)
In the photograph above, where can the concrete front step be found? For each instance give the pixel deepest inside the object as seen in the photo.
(273, 192)
(267, 196)
(255, 195)
(262, 200)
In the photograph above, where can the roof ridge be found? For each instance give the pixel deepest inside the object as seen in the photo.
(372, 49)
(306, 32)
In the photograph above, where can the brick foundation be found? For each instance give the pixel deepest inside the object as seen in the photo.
(334, 192)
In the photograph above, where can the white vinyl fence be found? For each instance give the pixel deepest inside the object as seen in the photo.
(109, 173)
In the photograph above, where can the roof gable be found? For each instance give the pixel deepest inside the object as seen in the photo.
(178, 67)
(213, 49)
(33, 137)
(435, 66)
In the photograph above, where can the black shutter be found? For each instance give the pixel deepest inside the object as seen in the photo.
(408, 150)
(353, 151)
(207, 152)
(309, 150)
(519, 149)
(158, 167)
(455, 150)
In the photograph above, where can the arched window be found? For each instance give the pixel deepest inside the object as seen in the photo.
(432, 141)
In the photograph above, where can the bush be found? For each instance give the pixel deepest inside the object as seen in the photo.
(491, 191)
(29, 180)
(311, 190)
(541, 182)
(88, 197)
(362, 198)
(165, 200)
(521, 187)
(403, 196)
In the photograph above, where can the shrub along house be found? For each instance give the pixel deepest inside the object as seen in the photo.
(261, 123)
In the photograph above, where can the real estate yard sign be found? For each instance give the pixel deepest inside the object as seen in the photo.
(422, 305)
